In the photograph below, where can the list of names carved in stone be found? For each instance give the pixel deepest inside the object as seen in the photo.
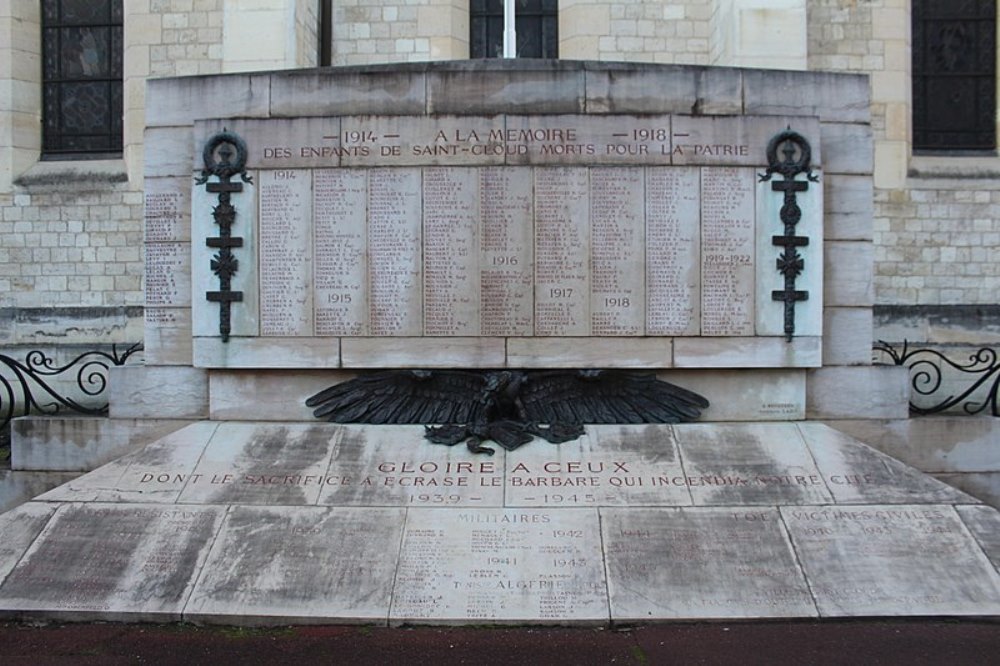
(617, 287)
(394, 244)
(166, 210)
(562, 251)
(507, 238)
(673, 251)
(285, 253)
(727, 251)
(340, 251)
(168, 270)
(451, 251)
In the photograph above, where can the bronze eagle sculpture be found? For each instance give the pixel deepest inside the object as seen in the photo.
(509, 407)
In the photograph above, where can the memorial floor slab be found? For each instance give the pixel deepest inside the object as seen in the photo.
(278, 523)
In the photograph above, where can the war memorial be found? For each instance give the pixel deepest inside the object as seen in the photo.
(307, 227)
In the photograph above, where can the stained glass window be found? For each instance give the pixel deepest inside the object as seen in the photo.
(954, 75)
(536, 23)
(81, 77)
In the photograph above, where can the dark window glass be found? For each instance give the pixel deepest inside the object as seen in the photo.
(954, 75)
(81, 77)
(536, 23)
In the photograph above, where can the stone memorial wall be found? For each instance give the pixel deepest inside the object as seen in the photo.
(502, 234)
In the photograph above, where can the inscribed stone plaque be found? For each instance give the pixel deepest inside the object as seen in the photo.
(394, 262)
(300, 562)
(727, 251)
(892, 560)
(18, 529)
(500, 565)
(340, 255)
(507, 255)
(253, 463)
(394, 465)
(168, 274)
(673, 251)
(735, 140)
(701, 563)
(283, 143)
(451, 251)
(749, 464)
(562, 251)
(611, 465)
(421, 140)
(113, 561)
(588, 139)
(286, 287)
(617, 235)
(167, 210)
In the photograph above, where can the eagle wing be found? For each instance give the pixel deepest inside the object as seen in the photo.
(405, 396)
(606, 396)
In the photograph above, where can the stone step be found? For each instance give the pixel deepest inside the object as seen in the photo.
(271, 523)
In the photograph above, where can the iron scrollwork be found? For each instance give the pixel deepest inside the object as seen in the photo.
(26, 387)
(927, 375)
(225, 156)
(795, 157)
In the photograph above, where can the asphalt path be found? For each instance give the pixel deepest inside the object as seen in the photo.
(855, 642)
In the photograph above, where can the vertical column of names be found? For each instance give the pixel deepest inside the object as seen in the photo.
(617, 289)
(286, 290)
(340, 249)
(727, 251)
(451, 251)
(505, 204)
(673, 251)
(394, 216)
(562, 251)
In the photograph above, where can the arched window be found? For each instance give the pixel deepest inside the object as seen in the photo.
(81, 78)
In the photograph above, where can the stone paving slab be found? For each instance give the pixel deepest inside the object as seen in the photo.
(100, 561)
(701, 563)
(272, 523)
(292, 564)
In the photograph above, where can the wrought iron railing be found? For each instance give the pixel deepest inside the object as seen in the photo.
(30, 386)
(974, 394)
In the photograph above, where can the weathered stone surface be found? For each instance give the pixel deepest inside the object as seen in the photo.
(849, 204)
(612, 465)
(167, 336)
(749, 464)
(892, 560)
(847, 148)
(345, 93)
(406, 352)
(747, 352)
(156, 473)
(172, 147)
(396, 466)
(284, 564)
(701, 563)
(18, 487)
(290, 352)
(984, 523)
(80, 443)
(589, 353)
(157, 392)
(246, 463)
(18, 529)
(746, 395)
(857, 474)
(179, 101)
(274, 395)
(495, 565)
(848, 274)
(847, 336)
(475, 88)
(112, 561)
(831, 97)
(613, 87)
(876, 392)
(736, 140)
